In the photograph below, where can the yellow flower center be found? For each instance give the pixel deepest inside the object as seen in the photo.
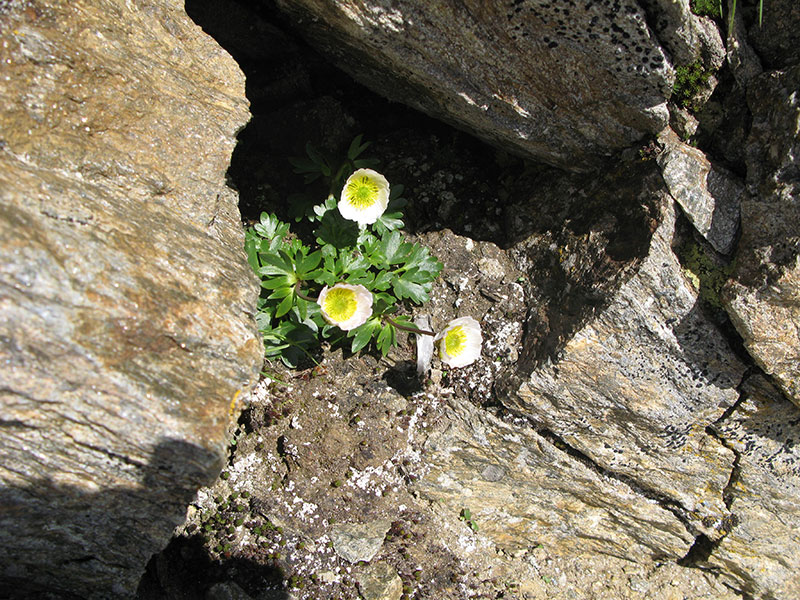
(361, 192)
(340, 304)
(455, 341)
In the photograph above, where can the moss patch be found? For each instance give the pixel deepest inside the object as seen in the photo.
(707, 8)
(690, 81)
(706, 273)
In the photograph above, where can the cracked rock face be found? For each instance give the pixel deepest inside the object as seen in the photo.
(568, 84)
(125, 333)
(759, 554)
(634, 382)
(524, 491)
(763, 298)
(635, 389)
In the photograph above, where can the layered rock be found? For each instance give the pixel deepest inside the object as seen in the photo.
(126, 332)
(569, 85)
(763, 298)
(524, 491)
(635, 382)
(618, 376)
(710, 196)
(759, 554)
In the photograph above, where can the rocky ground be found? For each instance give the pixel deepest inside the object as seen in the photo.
(342, 443)
(320, 497)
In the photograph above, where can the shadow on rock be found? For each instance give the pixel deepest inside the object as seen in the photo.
(62, 541)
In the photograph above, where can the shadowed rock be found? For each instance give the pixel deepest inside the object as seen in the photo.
(763, 298)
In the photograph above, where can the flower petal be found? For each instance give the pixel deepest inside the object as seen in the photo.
(346, 306)
(364, 197)
(460, 342)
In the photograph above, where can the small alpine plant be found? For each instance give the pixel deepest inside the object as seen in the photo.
(353, 278)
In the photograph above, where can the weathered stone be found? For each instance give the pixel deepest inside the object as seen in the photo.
(682, 122)
(759, 555)
(710, 196)
(763, 297)
(741, 58)
(126, 331)
(227, 591)
(686, 37)
(538, 494)
(569, 86)
(632, 383)
(355, 542)
(776, 39)
(380, 582)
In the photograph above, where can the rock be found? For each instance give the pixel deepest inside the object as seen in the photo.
(380, 582)
(226, 591)
(744, 63)
(567, 86)
(763, 297)
(710, 196)
(682, 122)
(632, 380)
(522, 491)
(126, 329)
(775, 39)
(355, 542)
(686, 37)
(759, 554)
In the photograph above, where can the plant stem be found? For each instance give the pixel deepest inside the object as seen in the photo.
(301, 294)
(407, 327)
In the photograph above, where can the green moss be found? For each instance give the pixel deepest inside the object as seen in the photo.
(707, 8)
(689, 82)
(706, 275)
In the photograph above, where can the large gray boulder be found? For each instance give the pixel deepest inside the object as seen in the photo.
(126, 332)
(763, 298)
(569, 85)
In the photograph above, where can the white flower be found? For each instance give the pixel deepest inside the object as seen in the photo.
(364, 196)
(460, 342)
(346, 306)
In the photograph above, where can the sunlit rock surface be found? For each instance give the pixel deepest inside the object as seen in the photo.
(759, 554)
(125, 297)
(566, 84)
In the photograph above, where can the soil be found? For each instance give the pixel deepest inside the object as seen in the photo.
(340, 442)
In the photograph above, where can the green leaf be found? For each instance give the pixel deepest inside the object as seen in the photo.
(363, 335)
(302, 164)
(386, 339)
(383, 281)
(274, 264)
(356, 147)
(316, 156)
(281, 292)
(325, 277)
(336, 231)
(405, 288)
(308, 263)
(276, 282)
(251, 245)
(285, 305)
(352, 263)
(270, 227)
(389, 222)
(391, 250)
(395, 193)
